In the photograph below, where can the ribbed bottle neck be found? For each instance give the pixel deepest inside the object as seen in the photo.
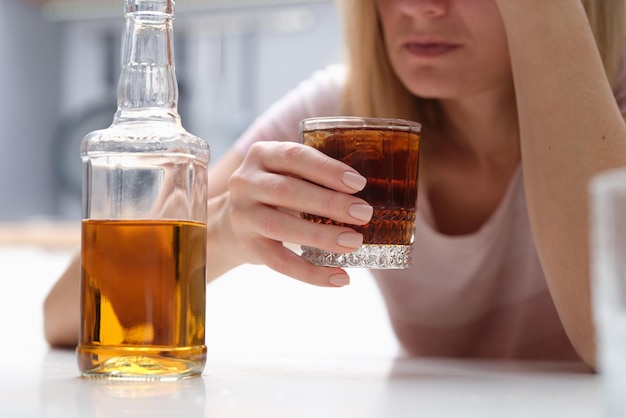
(147, 87)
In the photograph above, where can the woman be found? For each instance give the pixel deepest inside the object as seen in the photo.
(519, 111)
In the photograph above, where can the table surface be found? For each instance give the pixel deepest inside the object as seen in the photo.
(276, 348)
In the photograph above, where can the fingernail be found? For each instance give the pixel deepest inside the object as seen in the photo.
(361, 212)
(353, 180)
(350, 239)
(339, 279)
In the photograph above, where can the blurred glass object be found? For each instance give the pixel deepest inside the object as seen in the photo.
(608, 245)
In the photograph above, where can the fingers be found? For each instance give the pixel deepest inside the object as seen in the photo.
(302, 196)
(289, 176)
(285, 261)
(267, 222)
(306, 162)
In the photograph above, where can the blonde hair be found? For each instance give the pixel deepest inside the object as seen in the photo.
(374, 90)
(607, 19)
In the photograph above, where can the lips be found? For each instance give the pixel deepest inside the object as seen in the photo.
(430, 49)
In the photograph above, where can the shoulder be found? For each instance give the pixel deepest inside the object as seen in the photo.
(318, 95)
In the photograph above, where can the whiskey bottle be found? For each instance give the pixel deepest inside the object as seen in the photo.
(143, 251)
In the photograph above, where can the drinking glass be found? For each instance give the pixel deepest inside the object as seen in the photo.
(608, 244)
(386, 152)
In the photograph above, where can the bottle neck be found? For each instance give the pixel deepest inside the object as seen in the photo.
(147, 87)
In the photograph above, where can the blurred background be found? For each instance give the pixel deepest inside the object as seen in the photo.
(60, 63)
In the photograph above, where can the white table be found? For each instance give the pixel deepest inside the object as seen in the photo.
(276, 348)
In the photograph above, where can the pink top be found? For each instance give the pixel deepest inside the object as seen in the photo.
(482, 294)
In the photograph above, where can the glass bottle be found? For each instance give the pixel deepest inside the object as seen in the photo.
(143, 253)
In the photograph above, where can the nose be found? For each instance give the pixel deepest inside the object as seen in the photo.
(429, 8)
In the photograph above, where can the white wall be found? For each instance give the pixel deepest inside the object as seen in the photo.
(29, 76)
(237, 75)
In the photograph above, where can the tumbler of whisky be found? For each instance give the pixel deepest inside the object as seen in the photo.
(143, 248)
(386, 152)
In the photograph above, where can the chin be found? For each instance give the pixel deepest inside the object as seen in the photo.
(429, 88)
(433, 93)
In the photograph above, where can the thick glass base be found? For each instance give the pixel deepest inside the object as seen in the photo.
(368, 255)
(141, 363)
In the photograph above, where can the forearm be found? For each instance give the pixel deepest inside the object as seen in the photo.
(570, 129)
(221, 255)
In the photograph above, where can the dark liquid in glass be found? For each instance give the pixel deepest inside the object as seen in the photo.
(389, 160)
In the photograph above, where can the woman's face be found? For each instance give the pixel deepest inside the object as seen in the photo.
(446, 49)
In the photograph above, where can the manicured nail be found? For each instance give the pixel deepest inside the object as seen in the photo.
(339, 280)
(350, 239)
(353, 180)
(361, 212)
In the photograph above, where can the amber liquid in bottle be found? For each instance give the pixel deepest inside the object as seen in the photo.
(143, 296)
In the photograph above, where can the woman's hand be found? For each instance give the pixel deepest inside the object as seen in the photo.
(261, 211)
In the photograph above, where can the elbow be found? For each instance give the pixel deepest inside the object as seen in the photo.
(586, 348)
(60, 328)
(589, 358)
(61, 315)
